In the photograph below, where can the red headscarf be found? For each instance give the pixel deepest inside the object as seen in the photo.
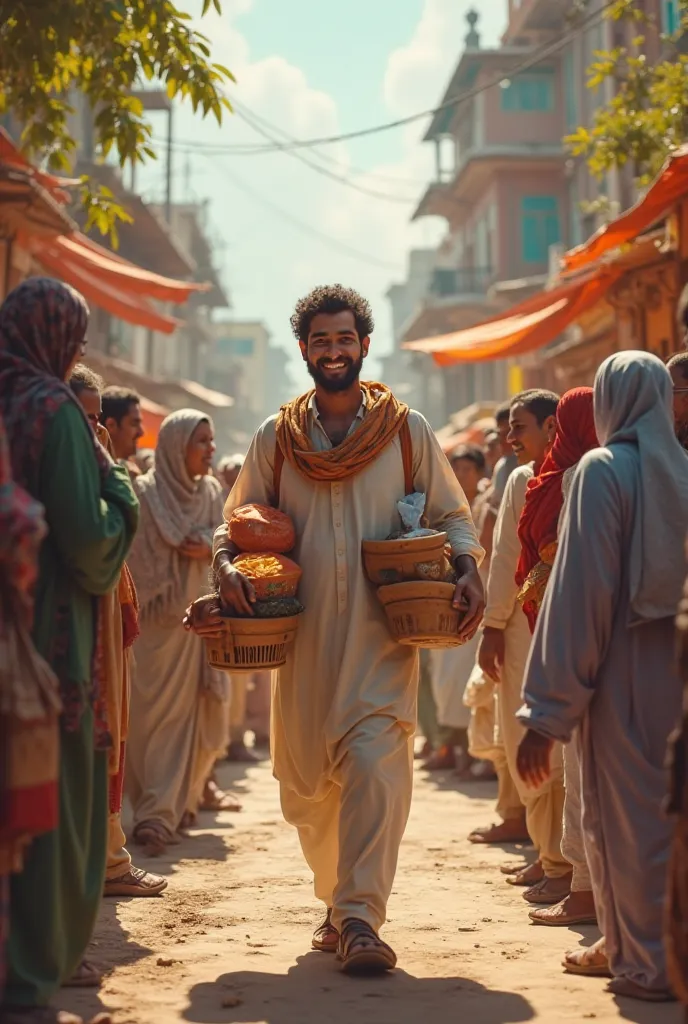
(537, 527)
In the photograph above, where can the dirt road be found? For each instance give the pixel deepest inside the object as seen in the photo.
(228, 943)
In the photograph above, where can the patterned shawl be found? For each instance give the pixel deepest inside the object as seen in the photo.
(384, 419)
(633, 406)
(29, 691)
(42, 328)
(173, 507)
(538, 525)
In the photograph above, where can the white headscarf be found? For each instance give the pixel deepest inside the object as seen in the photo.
(633, 405)
(174, 507)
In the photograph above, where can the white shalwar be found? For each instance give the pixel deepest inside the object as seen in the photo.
(344, 705)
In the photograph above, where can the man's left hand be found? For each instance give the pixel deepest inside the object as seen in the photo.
(204, 619)
(469, 595)
(533, 758)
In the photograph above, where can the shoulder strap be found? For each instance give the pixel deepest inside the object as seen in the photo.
(407, 456)
(277, 472)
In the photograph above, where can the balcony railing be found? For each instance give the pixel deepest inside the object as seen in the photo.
(460, 281)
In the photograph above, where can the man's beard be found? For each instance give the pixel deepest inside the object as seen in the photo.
(681, 430)
(342, 383)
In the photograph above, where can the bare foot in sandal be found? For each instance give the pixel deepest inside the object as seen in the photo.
(38, 1015)
(87, 975)
(362, 951)
(631, 990)
(576, 908)
(326, 936)
(153, 837)
(549, 890)
(215, 799)
(513, 830)
(532, 874)
(592, 961)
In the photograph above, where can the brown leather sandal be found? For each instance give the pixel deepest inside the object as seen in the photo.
(362, 951)
(326, 936)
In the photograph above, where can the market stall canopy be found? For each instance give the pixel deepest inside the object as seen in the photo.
(117, 285)
(164, 393)
(527, 326)
(667, 189)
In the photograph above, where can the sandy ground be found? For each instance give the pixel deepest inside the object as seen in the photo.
(228, 943)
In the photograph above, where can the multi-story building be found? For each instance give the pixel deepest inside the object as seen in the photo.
(409, 375)
(507, 186)
(243, 362)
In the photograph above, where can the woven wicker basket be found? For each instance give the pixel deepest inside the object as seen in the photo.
(249, 645)
(396, 561)
(420, 614)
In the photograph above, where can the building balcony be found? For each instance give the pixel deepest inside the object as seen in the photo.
(453, 282)
(455, 199)
(537, 16)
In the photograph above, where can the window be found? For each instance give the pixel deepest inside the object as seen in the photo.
(229, 346)
(539, 227)
(670, 16)
(531, 92)
(570, 91)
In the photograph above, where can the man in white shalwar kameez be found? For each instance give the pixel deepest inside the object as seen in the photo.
(504, 651)
(603, 660)
(344, 705)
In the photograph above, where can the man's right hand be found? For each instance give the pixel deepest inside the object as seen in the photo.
(236, 591)
(491, 652)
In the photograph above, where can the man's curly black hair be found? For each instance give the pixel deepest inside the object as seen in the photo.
(331, 298)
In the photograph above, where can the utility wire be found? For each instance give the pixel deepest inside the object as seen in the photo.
(542, 53)
(303, 226)
(341, 179)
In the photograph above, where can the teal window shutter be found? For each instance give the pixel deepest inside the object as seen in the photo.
(529, 93)
(670, 17)
(540, 227)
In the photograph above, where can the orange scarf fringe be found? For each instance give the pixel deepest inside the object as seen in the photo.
(384, 419)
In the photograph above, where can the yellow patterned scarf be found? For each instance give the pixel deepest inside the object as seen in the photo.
(384, 419)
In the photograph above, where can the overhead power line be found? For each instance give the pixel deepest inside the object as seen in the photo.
(301, 225)
(537, 57)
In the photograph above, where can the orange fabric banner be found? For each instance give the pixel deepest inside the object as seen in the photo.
(666, 190)
(525, 327)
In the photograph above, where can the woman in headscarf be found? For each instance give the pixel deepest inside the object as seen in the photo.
(539, 525)
(539, 522)
(603, 659)
(179, 704)
(91, 513)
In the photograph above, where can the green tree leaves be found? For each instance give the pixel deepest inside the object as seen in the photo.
(647, 116)
(104, 49)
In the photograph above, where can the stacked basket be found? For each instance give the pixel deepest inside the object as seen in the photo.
(263, 536)
(411, 575)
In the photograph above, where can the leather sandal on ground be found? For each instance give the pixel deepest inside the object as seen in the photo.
(153, 837)
(549, 890)
(499, 833)
(326, 936)
(629, 989)
(559, 915)
(591, 962)
(135, 882)
(362, 951)
(87, 975)
(38, 1015)
(530, 875)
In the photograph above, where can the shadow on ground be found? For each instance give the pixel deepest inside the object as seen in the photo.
(313, 991)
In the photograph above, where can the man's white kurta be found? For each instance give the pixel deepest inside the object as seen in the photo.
(347, 682)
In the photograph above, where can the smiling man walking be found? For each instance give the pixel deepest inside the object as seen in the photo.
(337, 460)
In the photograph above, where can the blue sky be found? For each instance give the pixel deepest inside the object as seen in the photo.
(315, 68)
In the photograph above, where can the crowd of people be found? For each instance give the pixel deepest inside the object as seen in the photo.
(566, 527)
(102, 690)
